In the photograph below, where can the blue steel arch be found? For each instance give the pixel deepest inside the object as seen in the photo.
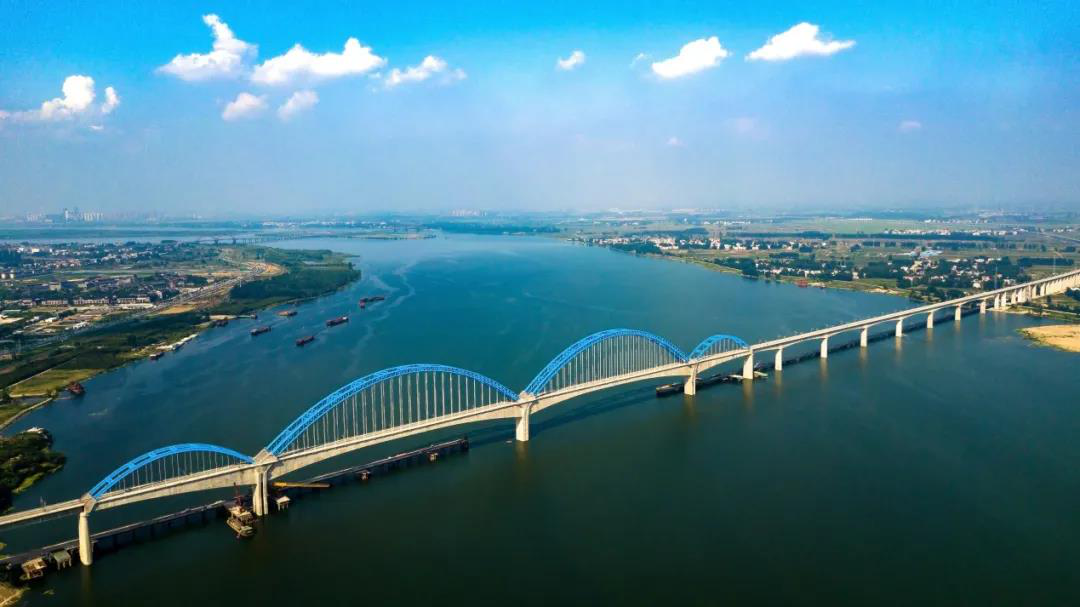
(152, 456)
(708, 342)
(328, 402)
(577, 347)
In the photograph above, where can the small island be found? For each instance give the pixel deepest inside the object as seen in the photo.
(1062, 337)
(26, 457)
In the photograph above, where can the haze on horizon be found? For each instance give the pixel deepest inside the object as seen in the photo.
(328, 106)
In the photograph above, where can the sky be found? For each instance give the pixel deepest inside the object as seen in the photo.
(352, 107)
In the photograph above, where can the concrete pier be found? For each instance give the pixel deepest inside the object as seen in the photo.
(748, 367)
(900, 328)
(864, 337)
(825, 348)
(930, 320)
(86, 548)
(690, 386)
(778, 364)
(521, 431)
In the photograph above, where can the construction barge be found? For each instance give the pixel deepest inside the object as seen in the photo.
(35, 563)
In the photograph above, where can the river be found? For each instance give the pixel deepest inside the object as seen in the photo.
(939, 468)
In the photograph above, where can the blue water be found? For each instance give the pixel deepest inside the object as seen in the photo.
(938, 468)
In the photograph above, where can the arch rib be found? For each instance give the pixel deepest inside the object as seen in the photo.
(557, 363)
(149, 457)
(710, 341)
(319, 409)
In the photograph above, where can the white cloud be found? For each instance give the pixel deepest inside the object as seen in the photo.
(802, 39)
(299, 102)
(78, 95)
(300, 64)
(111, 100)
(638, 58)
(693, 57)
(575, 59)
(245, 105)
(228, 59)
(675, 142)
(430, 66)
(97, 127)
(78, 101)
(908, 126)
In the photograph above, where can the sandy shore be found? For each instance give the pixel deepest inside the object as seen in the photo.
(1063, 337)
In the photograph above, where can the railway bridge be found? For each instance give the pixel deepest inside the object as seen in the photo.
(415, 399)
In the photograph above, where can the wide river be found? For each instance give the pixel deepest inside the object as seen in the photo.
(939, 468)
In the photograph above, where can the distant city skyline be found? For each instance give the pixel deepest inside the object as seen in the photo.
(328, 108)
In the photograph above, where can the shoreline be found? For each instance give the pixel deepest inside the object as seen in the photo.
(50, 393)
(850, 286)
(1065, 338)
(24, 412)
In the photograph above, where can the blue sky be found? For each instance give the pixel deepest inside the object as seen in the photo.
(446, 105)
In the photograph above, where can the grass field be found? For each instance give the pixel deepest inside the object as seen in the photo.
(52, 380)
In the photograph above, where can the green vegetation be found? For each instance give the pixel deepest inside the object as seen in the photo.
(47, 370)
(26, 457)
(308, 274)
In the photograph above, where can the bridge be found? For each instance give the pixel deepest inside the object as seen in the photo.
(414, 399)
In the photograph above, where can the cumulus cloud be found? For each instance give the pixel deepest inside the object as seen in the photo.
(228, 59)
(245, 105)
(429, 67)
(802, 39)
(78, 95)
(111, 100)
(299, 102)
(693, 57)
(300, 64)
(908, 126)
(575, 59)
(77, 101)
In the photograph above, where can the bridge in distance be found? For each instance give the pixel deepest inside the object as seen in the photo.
(415, 399)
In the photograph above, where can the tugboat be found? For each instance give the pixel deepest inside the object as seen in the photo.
(259, 330)
(305, 340)
(287, 313)
(333, 322)
(76, 389)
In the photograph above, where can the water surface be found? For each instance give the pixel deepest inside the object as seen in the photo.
(939, 468)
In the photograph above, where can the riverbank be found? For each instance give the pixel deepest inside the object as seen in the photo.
(290, 276)
(1061, 337)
